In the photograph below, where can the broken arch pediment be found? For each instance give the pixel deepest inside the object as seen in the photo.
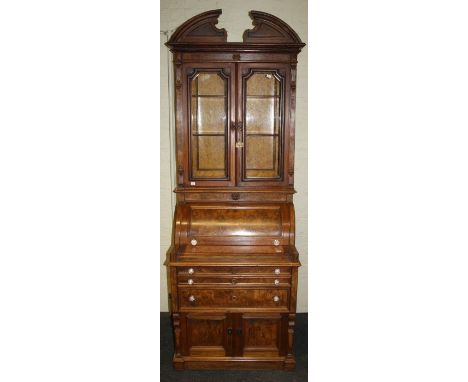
(268, 29)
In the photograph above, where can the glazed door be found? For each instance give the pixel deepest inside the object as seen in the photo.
(209, 91)
(207, 335)
(262, 120)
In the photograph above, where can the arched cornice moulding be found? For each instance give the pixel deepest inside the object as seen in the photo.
(269, 29)
(200, 28)
(269, 33)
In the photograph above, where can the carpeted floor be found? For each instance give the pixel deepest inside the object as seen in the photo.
(168, 374)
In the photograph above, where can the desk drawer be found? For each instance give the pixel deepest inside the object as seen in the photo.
(234, 280)
(236, 298)
(263, 270)
(193, 271)
(273, 271)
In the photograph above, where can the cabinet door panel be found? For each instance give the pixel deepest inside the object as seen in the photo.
(262, 335)
(206, 335)
(263, 114)
(210, 104)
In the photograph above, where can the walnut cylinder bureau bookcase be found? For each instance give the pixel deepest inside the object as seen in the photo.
(232, 265)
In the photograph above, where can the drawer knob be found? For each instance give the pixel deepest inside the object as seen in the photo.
(276, 282)
(233, 281)
(191, 298)
(191, 271)
(276, 299)
(277, 271)
(190, 281)
(193, 242)
(234, 297)
(276, 242)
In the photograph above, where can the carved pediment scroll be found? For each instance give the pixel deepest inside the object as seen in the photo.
(269, 29)
(200, 29)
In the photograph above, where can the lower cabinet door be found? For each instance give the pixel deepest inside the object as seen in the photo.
(250, 335)
(207, 335)
(261, 335)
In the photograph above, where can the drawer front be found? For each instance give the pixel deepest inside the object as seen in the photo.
(204, 270)
(264, 271)
(236, 298)
(234, 280)
(237, 197)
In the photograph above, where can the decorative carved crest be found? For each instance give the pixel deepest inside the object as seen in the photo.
(269, 29)
(200, 28)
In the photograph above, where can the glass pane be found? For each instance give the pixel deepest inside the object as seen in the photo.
(208, 84)
(208, 126)
(262, 156)
(262, 126)
(208, 115)
(262, 84)
(208, 155)
(262, 115)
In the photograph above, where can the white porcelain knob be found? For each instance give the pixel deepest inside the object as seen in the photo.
(276, 242)
(190, 281)
(193, 242)
(191, 271)
(276, 282)
(191, 298)
(276, 299)
(277, 271)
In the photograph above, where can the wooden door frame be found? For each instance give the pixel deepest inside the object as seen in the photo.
(284, 70)
(228, 69)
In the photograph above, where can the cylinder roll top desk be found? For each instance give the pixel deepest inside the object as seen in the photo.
(232, 266)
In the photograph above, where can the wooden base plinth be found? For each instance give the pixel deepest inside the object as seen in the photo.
(233, 363)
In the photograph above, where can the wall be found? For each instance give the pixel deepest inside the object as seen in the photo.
(235, 20)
